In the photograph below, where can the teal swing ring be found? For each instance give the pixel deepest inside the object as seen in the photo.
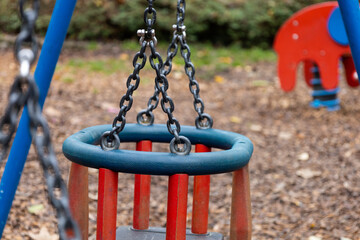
(83, 148)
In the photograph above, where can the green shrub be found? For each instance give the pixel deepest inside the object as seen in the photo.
(248, 23)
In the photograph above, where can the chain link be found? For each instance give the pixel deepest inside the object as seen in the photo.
(109, 139)
(146, 117)
(167, 105)
(18, 93)
(27, 32)
(8, 122)
(204, 120)
(56, 187)
(24, 91)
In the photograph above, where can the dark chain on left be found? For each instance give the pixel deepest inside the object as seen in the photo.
(18, 91)
(24, 91)
(56, 187)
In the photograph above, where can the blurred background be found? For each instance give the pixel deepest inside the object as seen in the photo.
(222, 22)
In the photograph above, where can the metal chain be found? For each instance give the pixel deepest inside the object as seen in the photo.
(8, 122)
(204, 120)
(23, 92)
(146, 116)
(18, 93)
(167, 105)
(109, 139)
(56, 187)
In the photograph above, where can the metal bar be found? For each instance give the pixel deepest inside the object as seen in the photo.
(51, 48)
(107, 205)
(240, 226)
(351, 15)
(142, 193)
(177, 207)
(201, 197)
(79, 197)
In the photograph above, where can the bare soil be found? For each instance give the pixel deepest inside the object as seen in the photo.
(305, 181)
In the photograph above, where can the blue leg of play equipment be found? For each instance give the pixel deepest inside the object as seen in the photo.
(350, 12)
(49, 56)
(323, 97)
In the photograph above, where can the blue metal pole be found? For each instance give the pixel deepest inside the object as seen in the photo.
(49, 56)
(350, 12)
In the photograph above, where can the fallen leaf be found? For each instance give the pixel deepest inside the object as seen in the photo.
(52, 112)
(260, 83)
(219, 79)
(307, 173)
(36, 209)
(314, 238)
(348, 154)
(93, 196)
(235, 119)
(227, 60)
(124, 56)
(255, 127)
(303, 156)
(279, 187)
(285, 135)
(44, 235)
(248, 68)
(178, 75)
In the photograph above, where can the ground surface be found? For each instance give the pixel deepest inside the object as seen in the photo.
(305, 180)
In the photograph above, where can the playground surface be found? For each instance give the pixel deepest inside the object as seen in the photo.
(304, 172)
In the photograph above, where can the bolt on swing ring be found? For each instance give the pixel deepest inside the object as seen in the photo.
(145, 118)
(109, 141)
(177, 140)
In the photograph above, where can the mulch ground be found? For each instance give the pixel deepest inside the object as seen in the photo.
(305, 181)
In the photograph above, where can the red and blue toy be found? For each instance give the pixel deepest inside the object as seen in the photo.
(316, 36)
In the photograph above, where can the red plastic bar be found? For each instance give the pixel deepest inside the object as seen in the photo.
(107, 205)
(177, 207)
(142, 193)
(201, 199)
(78, 186)
(240, 226)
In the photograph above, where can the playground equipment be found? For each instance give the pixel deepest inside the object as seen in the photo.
(81, 147)
(321, 96)
(351, 15)
(317, 37)
(233, 142)
(84, 151)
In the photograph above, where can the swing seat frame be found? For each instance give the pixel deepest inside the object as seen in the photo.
(84, 151)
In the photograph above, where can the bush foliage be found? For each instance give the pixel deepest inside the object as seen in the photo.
(245, 22)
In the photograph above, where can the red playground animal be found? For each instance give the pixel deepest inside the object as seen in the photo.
(314, 34)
